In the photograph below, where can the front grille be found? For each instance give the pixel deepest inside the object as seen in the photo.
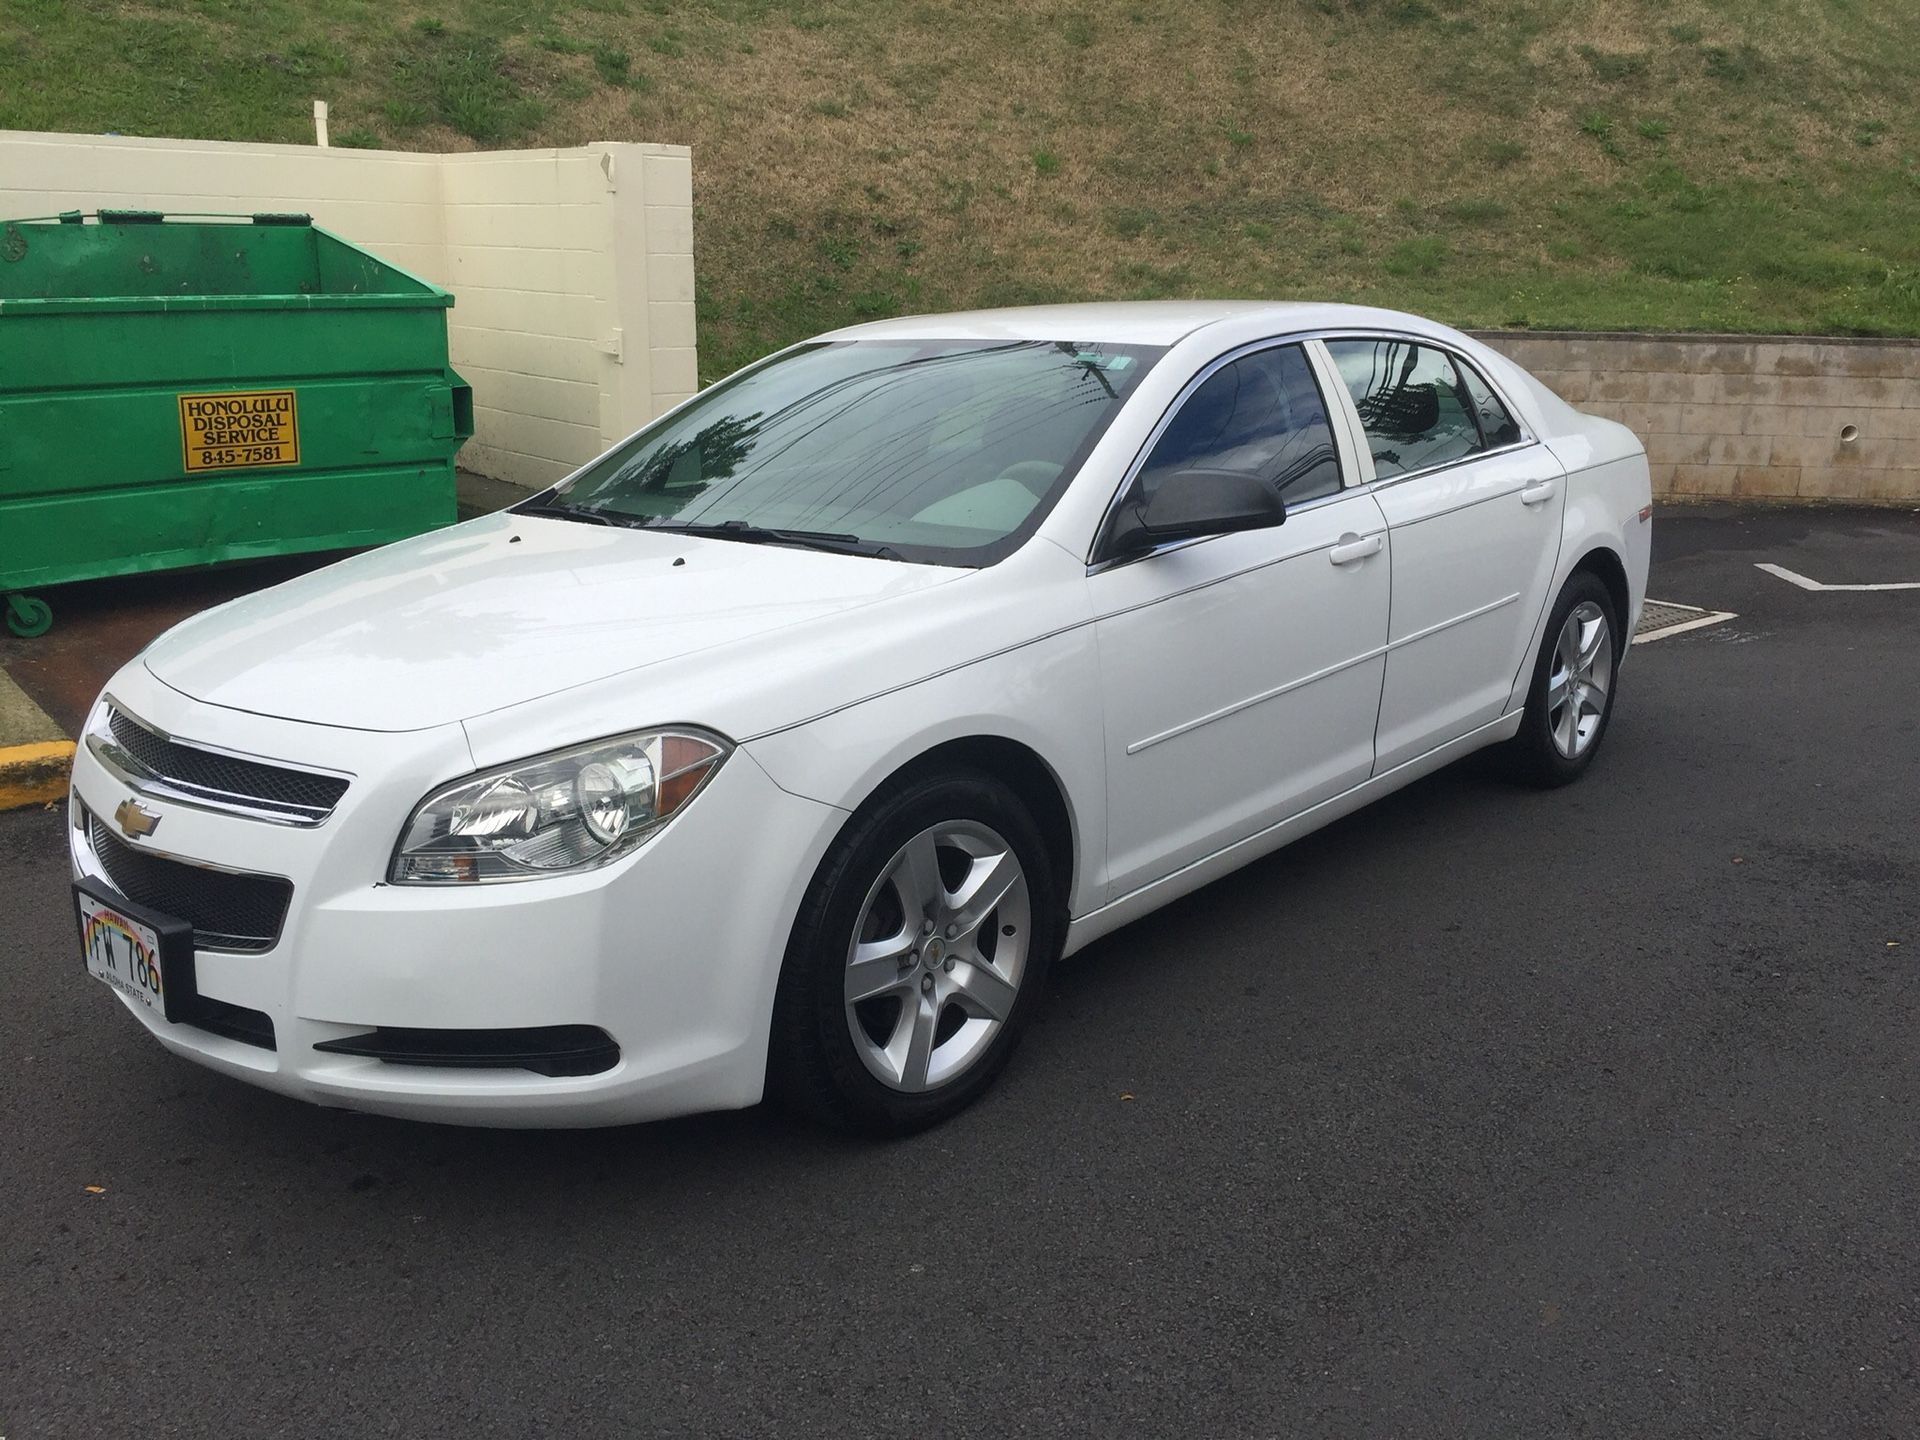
(227, 911)
(299, 796)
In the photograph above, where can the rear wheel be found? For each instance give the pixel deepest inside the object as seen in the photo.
(1571, 697)
(918, 956)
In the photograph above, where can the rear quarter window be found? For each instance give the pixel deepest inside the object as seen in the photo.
(1413, 407)
(1497, 425)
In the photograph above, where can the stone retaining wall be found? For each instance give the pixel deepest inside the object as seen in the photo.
(1767, 418)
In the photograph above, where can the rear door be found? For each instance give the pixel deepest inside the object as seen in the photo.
(1473, 507)
(1240, 674)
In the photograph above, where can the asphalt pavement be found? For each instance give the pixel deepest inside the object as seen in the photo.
(1482, 1113)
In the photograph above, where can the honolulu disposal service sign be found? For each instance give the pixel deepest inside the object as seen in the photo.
(238, 428)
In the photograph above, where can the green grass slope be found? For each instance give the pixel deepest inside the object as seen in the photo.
(1748, 165)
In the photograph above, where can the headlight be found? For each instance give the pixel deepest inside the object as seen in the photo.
(571, 810)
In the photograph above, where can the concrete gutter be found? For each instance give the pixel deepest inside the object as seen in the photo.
(35, 755)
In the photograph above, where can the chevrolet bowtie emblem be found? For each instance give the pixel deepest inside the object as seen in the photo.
(134, 818)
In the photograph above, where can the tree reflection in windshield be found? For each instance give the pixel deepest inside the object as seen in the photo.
(944, 451)
(684, 469)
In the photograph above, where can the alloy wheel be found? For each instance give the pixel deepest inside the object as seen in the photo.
(1581, 676)
(935, 963)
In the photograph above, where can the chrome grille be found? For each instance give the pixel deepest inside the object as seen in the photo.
(159, 765)
(228, 910)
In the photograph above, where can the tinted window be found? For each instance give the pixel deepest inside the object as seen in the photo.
(1411, 403)
(1497, 427)
(943, 451)
(1261, 415)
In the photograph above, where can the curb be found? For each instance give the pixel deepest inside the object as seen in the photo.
(35, 773)
(35, 753)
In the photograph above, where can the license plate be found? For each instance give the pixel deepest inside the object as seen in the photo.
(142, 954)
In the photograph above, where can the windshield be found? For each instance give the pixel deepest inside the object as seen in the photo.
(943, 451)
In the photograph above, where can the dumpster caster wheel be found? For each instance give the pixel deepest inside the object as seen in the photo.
(28, 616)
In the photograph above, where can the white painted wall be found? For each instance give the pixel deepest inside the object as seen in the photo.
(571, 270)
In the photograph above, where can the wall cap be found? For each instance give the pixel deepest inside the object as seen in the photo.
(1694, 338)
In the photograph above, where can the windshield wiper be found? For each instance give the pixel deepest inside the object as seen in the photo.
(585, 514)
(832, 540)
(561, 510)
(835, 541)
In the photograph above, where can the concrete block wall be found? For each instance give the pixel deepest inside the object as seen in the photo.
(571, 270)
(531, 260)
(1732, 415)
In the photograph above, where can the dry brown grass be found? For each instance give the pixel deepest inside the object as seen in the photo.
(1561, 161)
(1215, 149)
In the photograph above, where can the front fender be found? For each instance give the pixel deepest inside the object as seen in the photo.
(1043, 696)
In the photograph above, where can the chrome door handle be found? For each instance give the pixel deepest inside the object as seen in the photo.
(1352, 548)
(1538, 493)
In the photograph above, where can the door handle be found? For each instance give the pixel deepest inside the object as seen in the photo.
(1352, 549)
(1538, 493)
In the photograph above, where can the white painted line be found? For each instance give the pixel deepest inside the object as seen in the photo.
(1676, 605)
(1790, 577)
(1795, 578)
(1715, 618)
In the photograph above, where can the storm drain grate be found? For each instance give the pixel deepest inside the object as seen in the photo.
(1667, 617)
(1659, 614)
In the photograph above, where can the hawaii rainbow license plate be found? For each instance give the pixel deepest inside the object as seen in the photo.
(127, 946)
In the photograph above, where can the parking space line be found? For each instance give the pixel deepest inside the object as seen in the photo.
(1794, 577)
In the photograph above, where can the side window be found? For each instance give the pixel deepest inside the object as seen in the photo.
(1497, 427)
(1411, 403)
(1263, 414)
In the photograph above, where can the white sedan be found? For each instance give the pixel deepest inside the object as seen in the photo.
(783, 748)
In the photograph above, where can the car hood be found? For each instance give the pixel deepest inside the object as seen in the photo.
(500, 611)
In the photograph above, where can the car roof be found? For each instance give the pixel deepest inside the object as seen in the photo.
(1132, 322)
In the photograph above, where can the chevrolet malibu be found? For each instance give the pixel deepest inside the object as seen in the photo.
(783, 748)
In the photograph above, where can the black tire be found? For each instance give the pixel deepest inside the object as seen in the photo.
(1532, 756)
(814, 1066)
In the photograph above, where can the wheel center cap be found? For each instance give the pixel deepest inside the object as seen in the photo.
(933, 952)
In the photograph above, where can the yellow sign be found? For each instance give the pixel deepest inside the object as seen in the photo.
(236, 429)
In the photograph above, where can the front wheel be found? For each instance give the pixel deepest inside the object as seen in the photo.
(1571, 696)
(918, 957)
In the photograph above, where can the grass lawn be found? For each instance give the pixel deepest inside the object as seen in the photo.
(1745, 165)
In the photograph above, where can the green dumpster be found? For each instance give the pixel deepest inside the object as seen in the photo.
(185, 391)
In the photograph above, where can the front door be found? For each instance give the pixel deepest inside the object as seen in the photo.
(1241, 674)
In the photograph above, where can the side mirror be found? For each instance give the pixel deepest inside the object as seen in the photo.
(1188, 504)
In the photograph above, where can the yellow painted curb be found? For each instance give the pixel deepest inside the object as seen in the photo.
(34, 774)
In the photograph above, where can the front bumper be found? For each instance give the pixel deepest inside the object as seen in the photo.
(673, 951)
